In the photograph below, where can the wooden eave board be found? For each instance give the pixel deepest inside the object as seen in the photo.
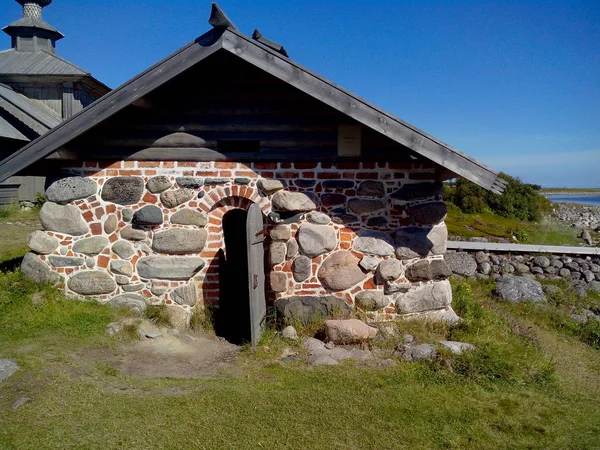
(280, 67)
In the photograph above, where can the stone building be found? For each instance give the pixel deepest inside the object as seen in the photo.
(229, 175)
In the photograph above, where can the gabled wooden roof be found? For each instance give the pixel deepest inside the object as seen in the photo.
(225, 37)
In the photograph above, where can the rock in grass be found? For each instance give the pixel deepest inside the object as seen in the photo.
(519, 289)
(8, 368)
(348, 331)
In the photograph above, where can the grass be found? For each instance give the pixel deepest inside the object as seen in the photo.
(14, 235)
(494, 227)
(533, 389)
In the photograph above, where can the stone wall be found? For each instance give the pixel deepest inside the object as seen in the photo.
(369, 235)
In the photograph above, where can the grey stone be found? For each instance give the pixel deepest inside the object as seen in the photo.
(133, 287)
(349, 331)
(302, 268)
(484, 268)
(149, 215)
(133, 234)
(179, 241)
(369, 262)
(71, 188)
(322, 360)
(457, 347)
(587, 238)
(8, 368)
(461, 263)
(425, 297)
(63, 219)
(557, 263)
(318, 218)
(519, 289)
(333, 199)
(127, 214)
(431, 213)
(189, 217)
(135, 304)
(374, 243)
(389, 270)
(90, 262)
(185, 295)
(189, 182)
(340, 271)
(371, 300)
(65, 261)
(420, 352)
(594, 286)
(269, 187)
(345, 219)
(444, 315)
(313, 345)
(379, 221)
(158, 184)
(315, 240)
(157, 289)
(305, 309)
(588, 275)
(123, 249)
(362, 206)
(278, 281)
(338, 184)
(180, 319)
(290, 332)
(281, 233)
(216, 180)
(415, 242)
(91, 282)
(292, 248)
(507, 268)
(121, 267)
(37, 270)
(123, 190)
(173, 198)
(541, 261)
(277, 252)
(418, 191)
(428, 270)
(90, 246)
(110, 224)
(539, 270)
(242, 180)
(481, 257)
(371, 189)
(305, 183)
(64, 250)
(168, 267)
(40, 242)
(522, 268)
(19, 403)
(294, 201)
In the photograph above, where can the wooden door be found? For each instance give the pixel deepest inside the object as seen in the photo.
(256, 272)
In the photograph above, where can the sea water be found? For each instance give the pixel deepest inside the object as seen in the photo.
(593, 200)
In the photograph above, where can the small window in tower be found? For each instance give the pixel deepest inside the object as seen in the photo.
(239, 146)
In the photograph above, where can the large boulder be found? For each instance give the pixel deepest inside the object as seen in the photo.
(302, 268)
(134, 303)
(41, 243)
(371, 300)
(269, 187)
(169, 267)
(149, 215)
(389, 270)
(519, 289)
(90, 246)
(179, 317)
(340, 271)
(363, 206)
(179, 241)
(277, 252)
(174, 198)
(444, 315)
(37, 270)
(461, 263)
(91, 282)
(68, 189)
(416, 242)
(371, 189)
(280, 233)
(120, 267)
(348, 331)
(374, 243)
(133, 234)
(315, 240)
(63, 219)
(305, 309)
(318, 218)
(278, 281)
(158, 184)
(418, 191)
(189, 217)
(287, 201)
(123, 190)
(65, 261)
(123, 249)
(430, 213)
(425, 297)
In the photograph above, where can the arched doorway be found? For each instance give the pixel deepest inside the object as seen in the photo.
(242, 304)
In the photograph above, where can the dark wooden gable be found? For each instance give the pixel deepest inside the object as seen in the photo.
(226, 108)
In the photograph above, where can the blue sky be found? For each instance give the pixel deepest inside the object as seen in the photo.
(514, 84)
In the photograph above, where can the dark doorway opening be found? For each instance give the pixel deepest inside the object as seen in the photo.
(233, 321)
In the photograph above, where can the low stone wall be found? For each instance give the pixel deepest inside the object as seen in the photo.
(581, 271)
(368, 235)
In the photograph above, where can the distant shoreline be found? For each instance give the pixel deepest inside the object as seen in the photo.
(565, 193)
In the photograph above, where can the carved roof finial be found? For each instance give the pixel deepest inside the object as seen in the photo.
(218, 19)
(33, 8)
